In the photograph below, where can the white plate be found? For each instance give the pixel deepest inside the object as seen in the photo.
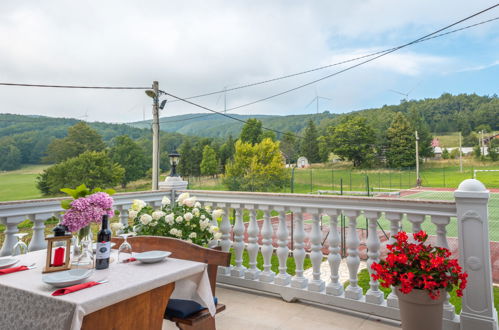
(94, 246)
(7, 262)
(150, 257)
(67, 277)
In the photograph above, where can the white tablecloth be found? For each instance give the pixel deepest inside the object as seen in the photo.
(26, 302)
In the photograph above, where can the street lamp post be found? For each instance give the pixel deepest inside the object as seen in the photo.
(418, 180)
(174, 157)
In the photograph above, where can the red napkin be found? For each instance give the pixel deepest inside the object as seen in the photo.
(74, 288)
(12, 270)
(129, 260)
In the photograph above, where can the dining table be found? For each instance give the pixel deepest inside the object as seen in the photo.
(134, 295)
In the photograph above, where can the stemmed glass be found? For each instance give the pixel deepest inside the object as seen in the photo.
(125, 249)
(20, 247)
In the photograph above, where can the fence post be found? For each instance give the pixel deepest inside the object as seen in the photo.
(478, 311)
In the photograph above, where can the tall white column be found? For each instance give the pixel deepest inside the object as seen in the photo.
(478, 311)
(283, 278)
(267, 275)
(252, 272)
(238, 270)
(316, 284)
(38, 241)
(299, 281)
(374, 294)
(334, 287)
(353, 290)
(395, 221)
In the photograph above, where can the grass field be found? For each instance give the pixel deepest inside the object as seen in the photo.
(20, 184)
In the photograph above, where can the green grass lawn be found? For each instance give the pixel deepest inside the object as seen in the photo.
(454, 299)
(20, 184)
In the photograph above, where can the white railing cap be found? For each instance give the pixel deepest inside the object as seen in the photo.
(472, 188)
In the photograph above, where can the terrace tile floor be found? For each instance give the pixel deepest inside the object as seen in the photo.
(247, 310)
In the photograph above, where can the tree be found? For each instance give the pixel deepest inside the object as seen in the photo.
(92, 168)
(401, 148)
(289, 146)
(309, 143)
(10, 155)
(80, 138)
(186, 166)
(425, 137)
(209, 164)
(252, 131)
(130, 156)
(353, 140)
(445, 154)
(227, 151)
(258, 167)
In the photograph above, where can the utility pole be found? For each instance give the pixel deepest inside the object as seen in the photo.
(155, 136)
(460, 154)
(225, 99)
(418, 181)
(483, 145)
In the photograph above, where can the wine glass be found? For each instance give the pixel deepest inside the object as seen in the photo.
(125, 249)
(20, 247)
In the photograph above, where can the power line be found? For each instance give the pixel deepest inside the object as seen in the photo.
(329, 65)
(223, 114)
(70, 86)
(429, 37)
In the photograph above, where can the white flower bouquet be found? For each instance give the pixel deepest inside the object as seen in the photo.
(187, 220)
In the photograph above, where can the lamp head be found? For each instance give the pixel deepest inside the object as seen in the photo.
(162, 105)
(151, 93)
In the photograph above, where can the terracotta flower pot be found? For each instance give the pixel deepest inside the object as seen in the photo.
(418, 311)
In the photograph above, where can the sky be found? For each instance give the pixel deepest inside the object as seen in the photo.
(196, 47)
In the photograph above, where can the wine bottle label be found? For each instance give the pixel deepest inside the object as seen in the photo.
(103, 250)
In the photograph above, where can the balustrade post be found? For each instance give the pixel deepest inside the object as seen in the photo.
(316, 255)
(478, 311)
(374, 294)
(334, 287)
(239, 269)
(395, 219)
(10, 240)
(299, 281)
(252, 272)
(440, 223)
(225, 242)
(38, 239)
(416, 220)
(283, 278)
(267, 275)
(353, 291)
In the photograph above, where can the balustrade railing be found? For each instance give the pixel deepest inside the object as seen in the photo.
(258, 224)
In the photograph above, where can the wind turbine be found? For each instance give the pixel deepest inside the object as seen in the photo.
(316, 100)
(406, 95)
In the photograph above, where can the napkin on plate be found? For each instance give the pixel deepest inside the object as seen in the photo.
(74, 288)
(12, 270)
(132, 259)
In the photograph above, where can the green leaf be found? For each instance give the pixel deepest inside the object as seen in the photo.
(66, 204)
(110, 191)
(69, 191)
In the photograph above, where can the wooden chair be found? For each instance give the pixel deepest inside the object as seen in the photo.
(186, 251)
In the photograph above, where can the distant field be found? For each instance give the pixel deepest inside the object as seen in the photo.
(20, 184)
(452, 139)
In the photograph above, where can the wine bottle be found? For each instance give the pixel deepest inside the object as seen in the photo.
(103, 245)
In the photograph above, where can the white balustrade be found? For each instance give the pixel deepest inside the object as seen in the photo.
(470, 207)
(283, 278)
(334, 287)
(316, 284)
(38, 241)
(238, 270)
(373, 295)
(353, 291)
(299, 281)
(252, 272)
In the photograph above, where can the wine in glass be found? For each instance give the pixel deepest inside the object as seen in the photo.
(20, 247)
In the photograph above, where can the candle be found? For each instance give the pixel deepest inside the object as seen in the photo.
(58, 257)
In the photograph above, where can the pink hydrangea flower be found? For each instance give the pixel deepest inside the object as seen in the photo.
(88, 209)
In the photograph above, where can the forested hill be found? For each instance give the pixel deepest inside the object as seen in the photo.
(214, 125)
(31, 135)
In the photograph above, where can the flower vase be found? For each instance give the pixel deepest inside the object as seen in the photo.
(419, 311)
(83, 256)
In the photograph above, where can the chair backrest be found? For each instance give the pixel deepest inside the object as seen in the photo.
(181, 250)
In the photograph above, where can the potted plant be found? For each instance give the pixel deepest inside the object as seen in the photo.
(186, 220)
(422, 274)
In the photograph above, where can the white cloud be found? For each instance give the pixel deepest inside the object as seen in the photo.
(193, 47)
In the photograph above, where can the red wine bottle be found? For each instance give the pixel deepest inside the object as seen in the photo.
(103, 245)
